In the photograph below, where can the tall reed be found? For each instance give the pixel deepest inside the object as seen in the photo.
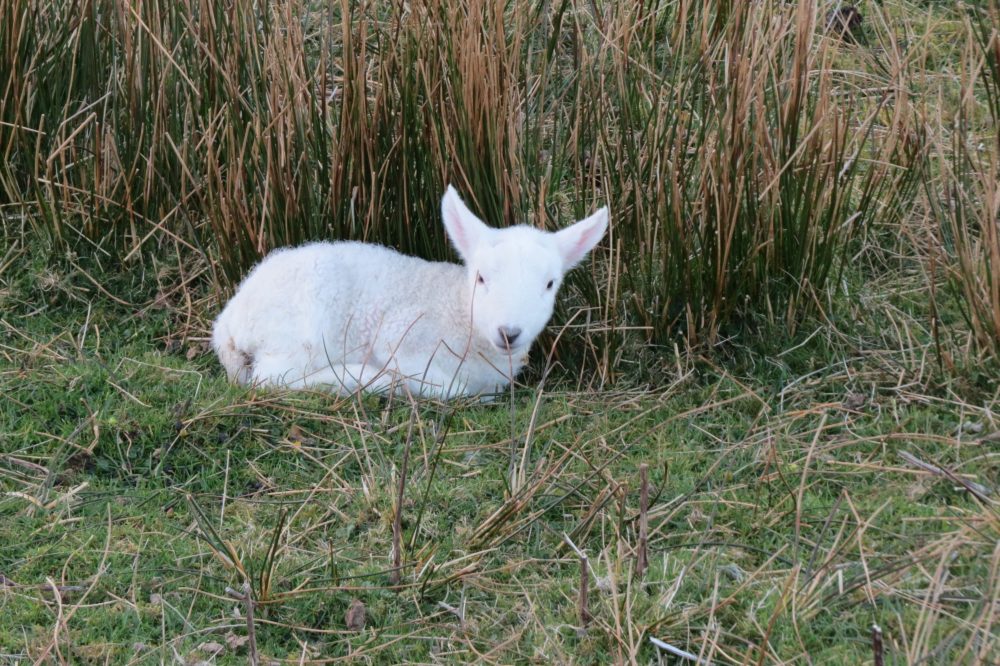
(964, 188)
(741, 168)
(737, 163)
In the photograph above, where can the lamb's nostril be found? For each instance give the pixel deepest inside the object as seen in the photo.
(509, 335)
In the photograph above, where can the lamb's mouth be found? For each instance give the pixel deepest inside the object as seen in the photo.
(509, 350)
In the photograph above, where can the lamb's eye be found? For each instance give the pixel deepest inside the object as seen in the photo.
(549, 285)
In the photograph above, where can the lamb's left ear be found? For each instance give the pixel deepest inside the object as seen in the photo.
(576, 241)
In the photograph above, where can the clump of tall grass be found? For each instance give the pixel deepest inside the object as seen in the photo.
(740, 165)
(243, 126)
(964, 192)
(737, 163)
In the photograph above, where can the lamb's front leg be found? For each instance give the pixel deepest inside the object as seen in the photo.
(427, 385)
(353, 377)
(440, 380)
(384, 380)
(344, 379)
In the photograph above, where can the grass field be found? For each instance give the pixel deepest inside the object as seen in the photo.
(792, 332)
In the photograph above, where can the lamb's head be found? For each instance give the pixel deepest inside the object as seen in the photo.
(513, 274)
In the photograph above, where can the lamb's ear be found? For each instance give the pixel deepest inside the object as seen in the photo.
(576, 241)
(465, 230)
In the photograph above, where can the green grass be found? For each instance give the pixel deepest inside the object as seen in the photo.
(138, 486)
(794, 323)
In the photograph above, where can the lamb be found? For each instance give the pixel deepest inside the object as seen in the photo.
(349, 316)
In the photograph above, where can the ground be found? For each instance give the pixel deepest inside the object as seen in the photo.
(800, 492)
(792, 331)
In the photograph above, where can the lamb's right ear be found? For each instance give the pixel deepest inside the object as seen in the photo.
(465, 230)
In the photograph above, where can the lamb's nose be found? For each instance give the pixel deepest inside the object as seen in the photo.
(509, 335)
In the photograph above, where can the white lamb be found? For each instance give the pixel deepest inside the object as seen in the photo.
(349, 316)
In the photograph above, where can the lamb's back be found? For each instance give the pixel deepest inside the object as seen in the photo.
(331, 287)
(346, 275)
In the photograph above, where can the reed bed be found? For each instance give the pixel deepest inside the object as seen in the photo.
(739, 155)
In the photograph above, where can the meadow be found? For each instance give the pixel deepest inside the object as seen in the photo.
(762, 428)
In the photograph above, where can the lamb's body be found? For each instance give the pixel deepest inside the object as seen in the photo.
(317, 315)
(350, 316)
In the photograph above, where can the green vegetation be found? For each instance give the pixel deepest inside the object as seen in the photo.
(795, 323)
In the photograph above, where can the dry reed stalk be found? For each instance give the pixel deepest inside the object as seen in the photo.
(397, 518)
(641, 559)
(246, 596)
